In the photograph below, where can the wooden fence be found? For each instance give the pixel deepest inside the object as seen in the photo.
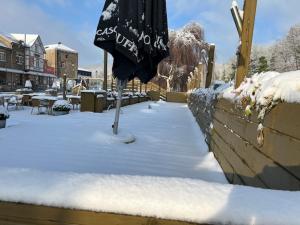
(267, 157)
(17, 214)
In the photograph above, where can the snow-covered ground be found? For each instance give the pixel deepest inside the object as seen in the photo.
(73, 161)
(168, 144)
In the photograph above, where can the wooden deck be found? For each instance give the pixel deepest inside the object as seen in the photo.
(25, 214)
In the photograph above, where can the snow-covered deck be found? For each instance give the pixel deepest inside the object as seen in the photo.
(169, 143)
(73, 161)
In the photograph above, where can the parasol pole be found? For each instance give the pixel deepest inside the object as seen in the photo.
(121, 84)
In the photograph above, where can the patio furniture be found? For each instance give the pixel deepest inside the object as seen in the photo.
(43, 102)
(110, 103)
(50, 105)
(26, 100)
(15, 101)
(35, 103)
(24, 91)
(89, 99)
(74, 101)
(51, 92)
(100, 104)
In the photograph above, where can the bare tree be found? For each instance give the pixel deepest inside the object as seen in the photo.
(186, 46)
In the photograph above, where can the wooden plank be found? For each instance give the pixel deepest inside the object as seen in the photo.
(226, 167)
(25, 214)
(248, 176)
(277, 119)
(282, 149)
(235, 109)
(273, 175)
(246, 40)
(179, 97)
(284, 118)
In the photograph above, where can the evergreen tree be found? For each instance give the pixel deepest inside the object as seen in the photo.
(262, 65)
(233, 71)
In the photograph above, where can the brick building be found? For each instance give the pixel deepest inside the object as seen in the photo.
(22, 58)
(63, 59)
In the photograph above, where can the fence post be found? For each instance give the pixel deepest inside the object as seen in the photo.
(211, 62)
(244, 53)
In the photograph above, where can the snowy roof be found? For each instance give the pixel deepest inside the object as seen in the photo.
(82, 69)
(2, 45)
(28, 39)
(61, 47)
(8, 37)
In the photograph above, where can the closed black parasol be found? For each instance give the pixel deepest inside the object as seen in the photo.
(135, 33)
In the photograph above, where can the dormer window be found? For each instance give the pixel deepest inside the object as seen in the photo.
(19, 59)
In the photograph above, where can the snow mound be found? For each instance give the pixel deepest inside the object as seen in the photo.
(170, 198)
(265, 88)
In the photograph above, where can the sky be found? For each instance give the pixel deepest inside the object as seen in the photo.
(74, 22)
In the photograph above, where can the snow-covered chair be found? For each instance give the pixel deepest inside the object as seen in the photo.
(15, 101)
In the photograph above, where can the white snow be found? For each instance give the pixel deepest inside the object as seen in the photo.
(3, 111)
(265, 88)
(28, 38)
(2, 45)
(107, 14)
(28, 84)
(74, 161)
(61, 47)
(62, 105)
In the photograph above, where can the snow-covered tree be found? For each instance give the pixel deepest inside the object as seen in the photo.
(186, 47)
(282, 56)
(293, 43)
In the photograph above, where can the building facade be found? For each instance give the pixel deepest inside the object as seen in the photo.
(84, 73)
(63, 59)
(21, 59)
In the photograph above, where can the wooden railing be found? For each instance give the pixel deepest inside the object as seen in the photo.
(137, 86)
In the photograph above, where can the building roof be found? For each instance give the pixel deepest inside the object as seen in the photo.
(61, 47)
(9, 38)
(86, 70)
(28, 39)
(3, 45)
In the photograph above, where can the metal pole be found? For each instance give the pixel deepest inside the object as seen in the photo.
(65, 87)
(105, 71)
(120, 87)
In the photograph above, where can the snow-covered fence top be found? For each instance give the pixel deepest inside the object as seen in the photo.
(265, 90)
(254, 130)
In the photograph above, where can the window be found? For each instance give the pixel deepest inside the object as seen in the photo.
(3, 56)
(41, 80)
(63, 65)
(37, 61)
(19, 59)
(2, 79)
